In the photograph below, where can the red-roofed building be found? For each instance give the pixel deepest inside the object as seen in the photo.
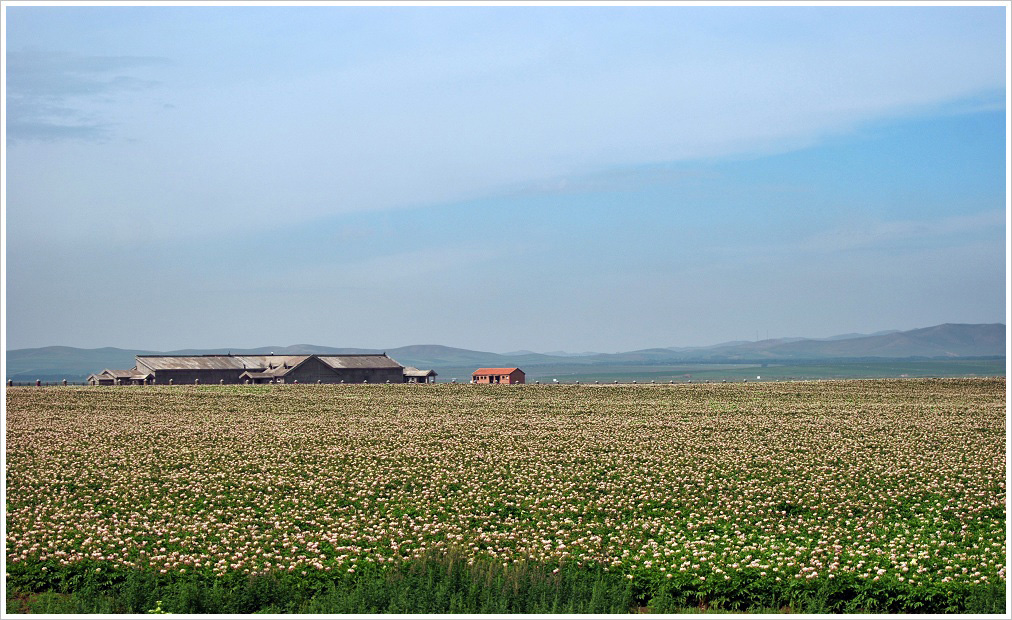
(497, 375)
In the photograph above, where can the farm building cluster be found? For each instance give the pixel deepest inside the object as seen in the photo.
(242, 369)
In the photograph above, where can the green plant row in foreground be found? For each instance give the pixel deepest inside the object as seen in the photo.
(452, 584)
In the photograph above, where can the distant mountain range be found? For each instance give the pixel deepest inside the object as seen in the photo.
(948, 341)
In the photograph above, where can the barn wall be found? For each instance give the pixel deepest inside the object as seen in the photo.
(373, 375)
(206, 376)
(311, 371)
(408, 379)
(306, 373)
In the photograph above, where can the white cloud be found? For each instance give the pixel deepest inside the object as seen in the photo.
(889, 234)
(533, 102)
(384, 271)
(59, 95)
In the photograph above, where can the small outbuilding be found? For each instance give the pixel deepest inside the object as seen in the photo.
(413, 375)
(102, 378)
(498, 375)
(120, 377)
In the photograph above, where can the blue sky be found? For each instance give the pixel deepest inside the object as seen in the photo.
(500, 178)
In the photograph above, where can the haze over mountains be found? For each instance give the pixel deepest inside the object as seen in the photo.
(948, 341)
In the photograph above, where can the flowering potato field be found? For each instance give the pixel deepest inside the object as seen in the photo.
(874, 495)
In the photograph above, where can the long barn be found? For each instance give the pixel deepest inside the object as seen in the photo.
(180, 369)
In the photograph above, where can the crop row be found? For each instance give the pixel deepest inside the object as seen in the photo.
(882, 481)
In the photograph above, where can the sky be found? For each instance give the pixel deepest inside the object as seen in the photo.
(577, 178)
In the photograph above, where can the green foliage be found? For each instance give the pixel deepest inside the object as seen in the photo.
(440, 584)
(830, 497)
(450, 584)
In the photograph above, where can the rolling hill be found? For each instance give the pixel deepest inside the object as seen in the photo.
(943, 342)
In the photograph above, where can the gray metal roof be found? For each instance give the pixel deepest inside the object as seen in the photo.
(218, 362)
(258, 362)
(411, 371)
(358, 361)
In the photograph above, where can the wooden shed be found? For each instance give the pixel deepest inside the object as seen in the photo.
(414, 375)
(498, 375)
